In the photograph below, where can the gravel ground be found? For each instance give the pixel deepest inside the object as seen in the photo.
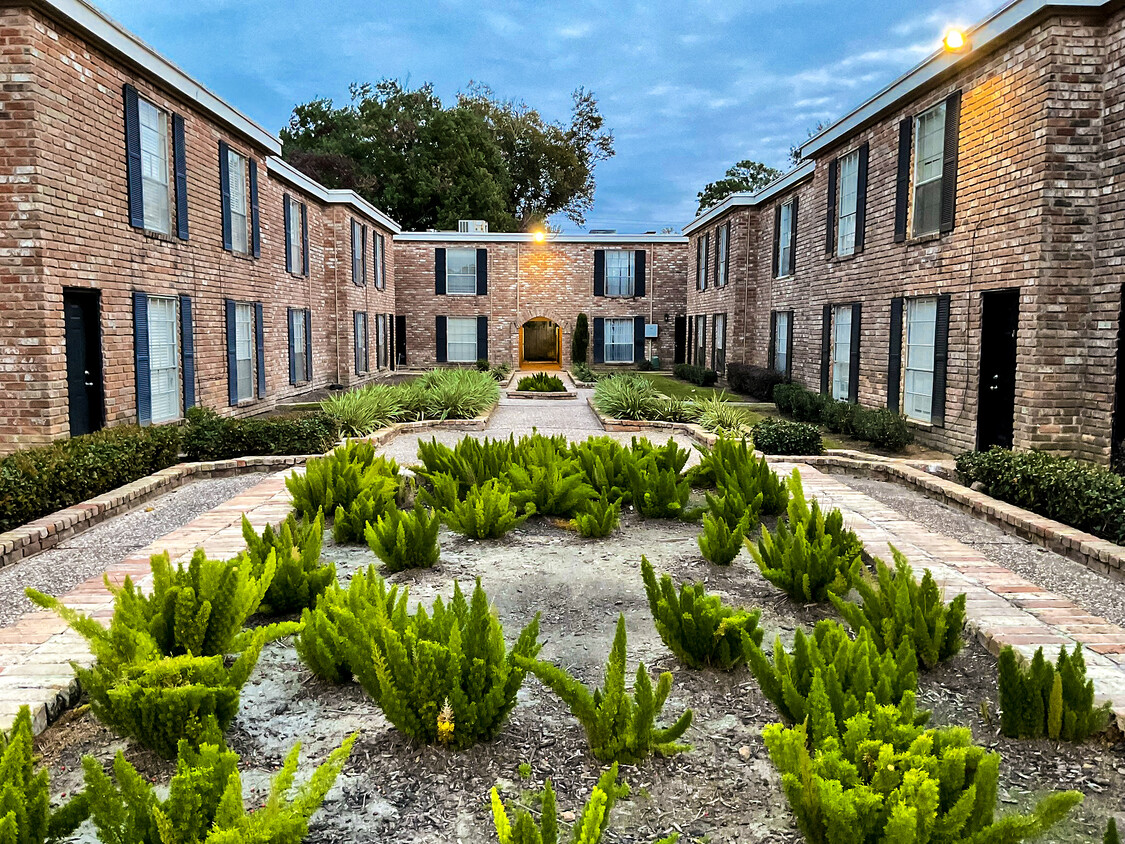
(90, 553)
(1100, 595)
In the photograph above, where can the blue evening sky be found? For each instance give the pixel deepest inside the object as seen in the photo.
(688, 88)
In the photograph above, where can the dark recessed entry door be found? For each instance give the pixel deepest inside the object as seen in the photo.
(540, 342)
(1000, 316)
(81, 310)
(680, 340)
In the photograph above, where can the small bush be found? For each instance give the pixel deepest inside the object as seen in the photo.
(374, 500)
(698, 375)
(660, 493)
(896, 608)
(1056, 701)
(732, 465)
(1111, 835)
(582, 372)
(626, 397)
(500, 372)
(298, 577)
(780, 436)
(486, 512)
(541, 382)
(405, 539)
(604, 461)
(668, 457)
(754, 381)
(483, 365)
(38, 481)
(360, 412)
(671, 409)
(620, 726)
(718, 416)
(802, 404)
(209, 436)
(645, 365)
(719, 543)
(698, 628)
(470, 462)
(338, 478)
(453, 394)
(600, 518)
(731, 508)
(580, 342)
(548, 479)
(883, 428)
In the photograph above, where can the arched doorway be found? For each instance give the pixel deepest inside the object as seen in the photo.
(540, 341)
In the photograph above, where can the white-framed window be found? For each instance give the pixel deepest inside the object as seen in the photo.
(164, 358)
(841, 352)
(781, 340)
(461, 337)
(244, 351)
(619, 341)
(461, 273)
(929, 158)
(701, 268)
(620, 266)
(723, 237)
(381, 340)
(296, 238)
(719, 335)
(360, 332)
(299, 350)
(380, 261)
(155, 168)
(848, 204)
(785, 241)
(239, 216)
(921, 323)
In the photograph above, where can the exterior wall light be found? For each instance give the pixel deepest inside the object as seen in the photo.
(538, 236)
(955, 40)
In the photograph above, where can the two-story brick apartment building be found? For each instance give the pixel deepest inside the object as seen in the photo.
(952, 247)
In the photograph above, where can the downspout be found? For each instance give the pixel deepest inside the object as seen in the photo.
(336, 289)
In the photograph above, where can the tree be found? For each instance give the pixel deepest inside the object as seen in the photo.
(795, 150)
(428, 165)
(746, 176)
(580, 340)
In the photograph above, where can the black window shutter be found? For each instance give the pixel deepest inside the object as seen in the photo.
(599, 272)
(255, 219)
(305, 237)
(726, 260)
(941, 360)
(690, 345)
(439, 271)
(482, 337)
(482, 272)
(141, 358)
(793, 237)
(949, 161)
(133, 158)
(638, 338)
(400, 338)
(224, 191)
(363, 256)
(287, 214)
(861, 197)
(179, 157)
(706, 241)
(260, 343)
(292, 347)
(355, 257)
(771, 353)
(717, 277)
(187, 346)
(383, 260)
(440, 341)
(776, 239)
(902, 183)
(830, 226)
(639, 282)
(826, 348)
(232, 359)
(789, 347)
(714, 335)
(599, 340)
(853, 362)
(894, 355)
(308, 345)
(698, 263)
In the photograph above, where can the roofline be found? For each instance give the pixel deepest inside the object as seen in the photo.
(527, 237)
(983, 37)
(286, 172)
(780, 185)
(89, 21)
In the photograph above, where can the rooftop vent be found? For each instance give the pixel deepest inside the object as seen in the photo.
(472, 226)
(603, 231)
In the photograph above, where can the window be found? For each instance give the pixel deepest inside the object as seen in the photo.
(723, 236)
(701, 268)
(929, 155)
(239, 225)
(921, 321)
(841, 352)
(381, 340)
(848, 204)
(701, 340)
(781, 340)
(298, 349)
(619, 341)
(154, 167)
(784, 245)
(295, 237)
(359, 256)
(380, 262)
(619, 273)
(461, 336)
(164, 357)
(361, 360)
(719, 337)
(461, 272)
(244, 351)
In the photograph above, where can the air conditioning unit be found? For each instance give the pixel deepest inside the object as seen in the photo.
(472, 226)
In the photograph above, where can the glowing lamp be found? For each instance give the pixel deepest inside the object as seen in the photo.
(538, 237)
(955, 40)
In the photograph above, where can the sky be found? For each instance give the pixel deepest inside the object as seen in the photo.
(688, 88)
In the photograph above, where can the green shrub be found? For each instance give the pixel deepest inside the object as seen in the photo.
(405, 539)
(701, 376)
(470, 462)
(1111, 836)
(209, 436)
(298, 577)
(668, 457)
(732, 466)
(732, 509)
(719, 543)
(439, 677)
(801, 403)
(840, 417)
(373, 501)
(1056, 701)
(896, 608)
(698, 628)
(37, 481)
(672, 409)
(541, 382)
(358, 413)
(717, 415)
(205, 802)
(548, 479)
(604, 461)
(483, 365)
(626, 397)
(453, 394)
(780, 436)
(1078, 494)
(620, 726)
(883, 428)
(811, 554)
(486, 512)
(338, 478)
(660, 493)
(755, 381)
(583, 373)
(888, 781)
(600, 518)
(580, 342)
(499, 372)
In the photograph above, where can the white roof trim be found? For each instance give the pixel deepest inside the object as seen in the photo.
(350, 197)
(90, 21)
(779, 185)
(526, 237)
(286, 172)
(985, 35)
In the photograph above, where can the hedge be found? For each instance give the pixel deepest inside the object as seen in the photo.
(879, 426)
(780, 436)
(213, 437)
(698, 375)
(755, 381)
(1078, 494)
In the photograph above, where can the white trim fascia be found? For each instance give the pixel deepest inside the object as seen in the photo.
(286, 172)
(350, 197)
(779, 185)
(526, 237)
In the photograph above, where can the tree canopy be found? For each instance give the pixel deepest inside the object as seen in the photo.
(429, 165)
(746, 175)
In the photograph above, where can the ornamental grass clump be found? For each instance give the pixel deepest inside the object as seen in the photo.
(600, 518)
(888, 780)
(698, 628)
(360, 412)
(896, 607)
(486, 512)
(405, 539)
(1045, 700)
(716, 414)
(299, 576)
(443, 676)
(338, 478)
(541, 382)
(619, 725)
(452, 394)
(375, 500)
(626, 397)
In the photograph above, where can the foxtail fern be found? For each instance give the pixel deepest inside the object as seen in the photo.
(299, 576)
(405, 539)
